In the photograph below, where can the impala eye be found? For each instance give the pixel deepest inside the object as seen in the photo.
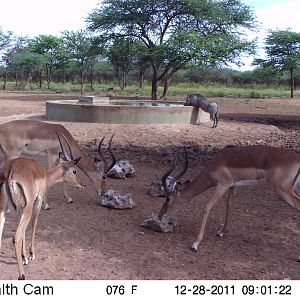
(74, 172)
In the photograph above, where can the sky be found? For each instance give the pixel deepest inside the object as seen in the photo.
(34, 17)
(51, 17)
(277, 14)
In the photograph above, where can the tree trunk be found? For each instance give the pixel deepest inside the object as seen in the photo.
(5, 79)
(64, 76)
(124, 79)
(154, 89)
(92, 78)
(141, 79)
(292, 82)
(16, 78)
(166, 87)
(154, 86)
(48, 75)
(81, 78)
(40, 80)
(81, 84)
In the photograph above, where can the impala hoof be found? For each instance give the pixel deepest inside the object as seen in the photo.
(70, 200)
(22, 277)
(194, 248)
(220, 233)
(25, 260)
(46, 207)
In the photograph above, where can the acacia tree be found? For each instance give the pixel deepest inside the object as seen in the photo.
(283, 53)
(52, 48)
(27, 64)
(122, 54)
(5, 38)
(81, 49)
(17, 45)
(177, 32)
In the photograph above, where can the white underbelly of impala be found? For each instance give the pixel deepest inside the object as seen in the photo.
(248, 182)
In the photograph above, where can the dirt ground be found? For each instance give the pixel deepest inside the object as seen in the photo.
(84, 240)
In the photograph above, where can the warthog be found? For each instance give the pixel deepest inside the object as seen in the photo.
(207, 105)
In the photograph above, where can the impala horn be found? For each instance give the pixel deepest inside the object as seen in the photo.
(65, 156)
(105, 163)
(169, 187)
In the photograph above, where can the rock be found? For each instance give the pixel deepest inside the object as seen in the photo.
(165, 224)
(156, 187)
(113, 199)
(121, 170)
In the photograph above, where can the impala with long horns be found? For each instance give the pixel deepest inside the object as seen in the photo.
(23, 184)
(233, 167)
(31, 137)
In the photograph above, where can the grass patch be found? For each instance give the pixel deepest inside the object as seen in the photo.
(179, 90)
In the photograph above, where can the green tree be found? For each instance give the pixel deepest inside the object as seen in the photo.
(81, 48)
(5, 38)
(52, 48)
(17, 45)
(27, 64)
(121, 54)
(177, 32)
(282, 53)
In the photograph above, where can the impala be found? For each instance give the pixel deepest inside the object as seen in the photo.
(31, 137)
(233, 167)
(24, 183)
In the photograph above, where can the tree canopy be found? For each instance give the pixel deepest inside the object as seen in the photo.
(176, 33)
(282, 53)
(53, 50)
(5, 38)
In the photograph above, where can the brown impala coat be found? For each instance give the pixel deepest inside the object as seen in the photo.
(33, 137)
(238, 166)
(24, 183)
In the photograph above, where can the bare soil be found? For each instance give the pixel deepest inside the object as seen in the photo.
(84, 240)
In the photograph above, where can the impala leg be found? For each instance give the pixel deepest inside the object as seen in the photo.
(228, 212)
(35, 214)
(3, 209)
(8, 153)
(24, 255)
(18, 240)
(2, 221)
(219, 192)
(51, 162)
(292, 200)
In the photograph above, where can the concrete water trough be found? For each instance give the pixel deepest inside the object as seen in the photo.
(102, 110)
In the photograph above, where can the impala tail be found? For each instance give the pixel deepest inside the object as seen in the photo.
(15, 192)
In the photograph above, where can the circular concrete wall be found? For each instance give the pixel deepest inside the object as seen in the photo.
(121, 112)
